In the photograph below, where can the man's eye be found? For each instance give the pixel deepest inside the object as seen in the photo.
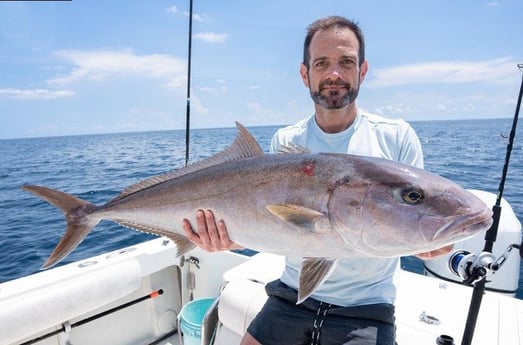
(348, 62)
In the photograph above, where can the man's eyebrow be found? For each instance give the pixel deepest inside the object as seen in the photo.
(351, 55)
(320, 58)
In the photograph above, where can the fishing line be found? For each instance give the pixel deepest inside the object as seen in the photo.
(478, 273)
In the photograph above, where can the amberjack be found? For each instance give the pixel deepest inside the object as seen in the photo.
(319, 206)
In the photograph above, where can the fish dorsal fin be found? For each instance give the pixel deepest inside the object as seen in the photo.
(293, 148)
(314, 271)
(244, 146)
(298, 215)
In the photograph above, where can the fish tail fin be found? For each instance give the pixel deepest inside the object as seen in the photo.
(76, 213)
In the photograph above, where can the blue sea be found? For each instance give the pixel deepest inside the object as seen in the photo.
(97, 167)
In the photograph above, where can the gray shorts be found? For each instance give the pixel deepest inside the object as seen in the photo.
(312, 322)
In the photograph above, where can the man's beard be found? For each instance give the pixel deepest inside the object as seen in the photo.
(334, 98)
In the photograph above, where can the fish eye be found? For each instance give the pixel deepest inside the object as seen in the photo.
(410, 196)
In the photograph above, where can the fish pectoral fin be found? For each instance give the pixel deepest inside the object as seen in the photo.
(296, 214)
(293, 148)
(183, 244)
(314, 271)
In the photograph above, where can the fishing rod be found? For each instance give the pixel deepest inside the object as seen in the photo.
(474, 268)
(188, 109)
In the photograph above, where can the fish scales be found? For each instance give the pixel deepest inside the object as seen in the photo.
(239, 192)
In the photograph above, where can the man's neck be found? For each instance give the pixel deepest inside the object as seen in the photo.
(336, 120)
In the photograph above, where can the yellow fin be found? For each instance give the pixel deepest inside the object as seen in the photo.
(296, 214)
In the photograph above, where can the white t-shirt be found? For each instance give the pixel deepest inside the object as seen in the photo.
(358, 281)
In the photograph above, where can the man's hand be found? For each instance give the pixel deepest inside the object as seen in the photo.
(435, 253)
(211, 236)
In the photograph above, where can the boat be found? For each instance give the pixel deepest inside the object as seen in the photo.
(148, 295)
(145, 294)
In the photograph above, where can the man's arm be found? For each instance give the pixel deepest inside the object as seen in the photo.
(211, 235)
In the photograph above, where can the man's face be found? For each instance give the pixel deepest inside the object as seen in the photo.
(334, 75)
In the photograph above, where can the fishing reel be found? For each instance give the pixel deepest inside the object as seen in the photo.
(473, 268)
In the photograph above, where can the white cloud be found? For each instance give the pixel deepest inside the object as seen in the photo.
(211, 37)
(138, 119)
(177, 83)
(171, 9)
(35, 93)
(258, 114)
(256, 107)
(221, 87)
(209, 89)
(449, 72)
(198, 106)
(99, 65)
(198, 17)
(396, 110)
(441, 107)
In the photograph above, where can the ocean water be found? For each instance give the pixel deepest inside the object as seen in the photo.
(97, 167)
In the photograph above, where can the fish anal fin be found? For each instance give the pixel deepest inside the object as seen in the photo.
(183, 244)
(298, 215)
(314, 271)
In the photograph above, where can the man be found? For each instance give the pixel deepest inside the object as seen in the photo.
(355, 304)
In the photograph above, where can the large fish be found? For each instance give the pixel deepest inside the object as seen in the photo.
(321, 206)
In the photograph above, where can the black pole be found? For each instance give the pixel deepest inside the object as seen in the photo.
(490, 236)
(492, 232)
(188, 110)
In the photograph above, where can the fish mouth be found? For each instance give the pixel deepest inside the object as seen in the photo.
(468, 224)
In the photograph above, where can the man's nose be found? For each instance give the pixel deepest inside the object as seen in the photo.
(334, 72)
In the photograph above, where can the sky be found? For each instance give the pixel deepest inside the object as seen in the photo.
(84, 67)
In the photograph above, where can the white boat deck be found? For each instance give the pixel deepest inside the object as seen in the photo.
(60, 298)
(443, 305)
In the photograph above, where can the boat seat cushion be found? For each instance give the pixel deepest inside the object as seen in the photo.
(240, 301)
(65, 297)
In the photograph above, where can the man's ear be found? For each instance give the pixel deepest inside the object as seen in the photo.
(363, 70)
(304, 75)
